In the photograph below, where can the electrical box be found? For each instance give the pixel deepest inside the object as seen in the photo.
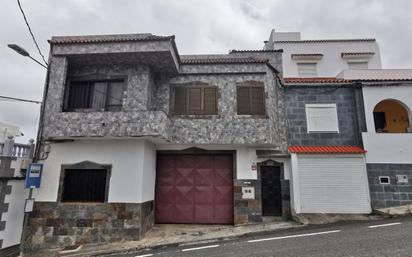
(402, 178)
(248, 193)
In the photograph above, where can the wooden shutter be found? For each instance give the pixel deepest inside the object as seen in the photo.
(243, 100)
(180, 100)
(195, 100)
(210, 100)
(257, 100)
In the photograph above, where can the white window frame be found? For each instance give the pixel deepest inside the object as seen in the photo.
(351, 62)
(299, 64)
(335, 129)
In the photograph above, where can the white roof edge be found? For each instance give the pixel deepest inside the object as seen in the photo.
(378, 74)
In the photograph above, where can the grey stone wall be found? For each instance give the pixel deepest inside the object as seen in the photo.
(347, 105)
(55, 225)
(394, 194)
(146, 104)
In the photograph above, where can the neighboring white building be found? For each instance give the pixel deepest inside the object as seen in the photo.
(387, 99)
(7, 130)
(323, 57)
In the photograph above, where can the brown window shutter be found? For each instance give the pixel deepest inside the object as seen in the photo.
(243, 100)
(180, 101)
(257, 101)
(195, 101)
(210, 100)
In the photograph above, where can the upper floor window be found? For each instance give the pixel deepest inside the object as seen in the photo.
(251, 99)
(391, 116)
(306, 69)
(358, 65)
(322, 118)
(95, 95)
(195, 100)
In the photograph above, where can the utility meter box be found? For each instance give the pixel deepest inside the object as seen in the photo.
(402, 178)
(248, 193)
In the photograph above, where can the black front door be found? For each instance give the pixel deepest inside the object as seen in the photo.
(271, 191)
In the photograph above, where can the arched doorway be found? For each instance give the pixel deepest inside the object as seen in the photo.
(391, 116)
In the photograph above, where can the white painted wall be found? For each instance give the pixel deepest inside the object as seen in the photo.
(331, 63)
(245, 156)
(330, 184)
(129, 160)
(14, 217)
(384, 147)
(149, 172)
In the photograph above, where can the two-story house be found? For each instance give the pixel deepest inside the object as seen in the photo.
(134, 134)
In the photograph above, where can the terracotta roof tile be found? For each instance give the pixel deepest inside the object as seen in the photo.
(306, 55)
(315, 80)
(325, 149)
(223, 61)
(89, 39)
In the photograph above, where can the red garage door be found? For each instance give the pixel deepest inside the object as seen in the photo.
(194, 189)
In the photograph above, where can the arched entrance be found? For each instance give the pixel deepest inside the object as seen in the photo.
(391, 116)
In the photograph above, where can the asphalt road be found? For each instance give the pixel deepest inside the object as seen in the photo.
(390, 237)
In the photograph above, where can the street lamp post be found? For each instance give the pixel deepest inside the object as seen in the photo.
(20, 50)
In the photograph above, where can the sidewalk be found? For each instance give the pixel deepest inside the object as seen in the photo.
(168, 235)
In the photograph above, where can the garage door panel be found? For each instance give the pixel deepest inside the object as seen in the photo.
(203, 189)
(183, 213)
(203, 177)
(183, 177)
(183, 195)
(165, 213)
(222, 213)
(223, 195)
(204, 214)
(204, 195)
(333, 184)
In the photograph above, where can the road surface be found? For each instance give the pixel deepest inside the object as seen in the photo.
(390, 237)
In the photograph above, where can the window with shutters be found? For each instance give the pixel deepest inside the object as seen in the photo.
(322, 118)
(251, 100)
(307, 69)
(94, 95)
(84, 185)
(195, 100)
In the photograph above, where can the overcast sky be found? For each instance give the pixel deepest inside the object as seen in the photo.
(209, 26)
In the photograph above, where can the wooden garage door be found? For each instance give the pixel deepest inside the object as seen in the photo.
(194, 189)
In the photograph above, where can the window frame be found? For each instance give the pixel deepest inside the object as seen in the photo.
(320, 105)
(202, 86)
(299, 64)
(93, 79)
(86, 165)
(250, 85)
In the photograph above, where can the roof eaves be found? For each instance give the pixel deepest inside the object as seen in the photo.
(256, 51)
(327, 40)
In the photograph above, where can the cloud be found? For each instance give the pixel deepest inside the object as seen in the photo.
(212, 26)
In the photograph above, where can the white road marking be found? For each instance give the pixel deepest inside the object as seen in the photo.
(385, 225)
(200, 248)
(144, 255)
(293, 236)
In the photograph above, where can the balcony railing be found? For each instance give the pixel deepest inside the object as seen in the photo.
(11, 149)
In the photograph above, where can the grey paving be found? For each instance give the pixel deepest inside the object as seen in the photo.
(355, 239)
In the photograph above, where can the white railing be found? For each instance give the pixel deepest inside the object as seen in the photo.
(11, 149)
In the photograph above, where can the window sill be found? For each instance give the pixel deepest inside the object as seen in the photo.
(323, 132)
(196, 116)
(251, 116)
(89, 110)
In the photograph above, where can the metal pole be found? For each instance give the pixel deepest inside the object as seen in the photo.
(44, 66)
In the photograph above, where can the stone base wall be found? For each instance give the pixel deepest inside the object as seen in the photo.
(54, 225)
(393, 194)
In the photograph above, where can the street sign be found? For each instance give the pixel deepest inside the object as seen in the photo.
(33, 176)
